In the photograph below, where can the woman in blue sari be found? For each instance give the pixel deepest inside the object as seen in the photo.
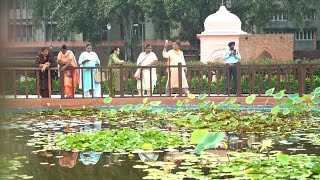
(89, 58)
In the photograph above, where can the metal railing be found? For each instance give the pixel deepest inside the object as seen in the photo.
(206, 79)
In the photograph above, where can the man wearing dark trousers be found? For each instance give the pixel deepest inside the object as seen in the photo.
(232, 57)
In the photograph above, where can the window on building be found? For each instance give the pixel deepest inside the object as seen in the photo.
(21, 4)
(11, 33)
(304, 35)
(20, 32)
(311, 15)
(18, 4)
(279, 17)
(276, 32)
(52, 32)
(11, 4)
(29, 4)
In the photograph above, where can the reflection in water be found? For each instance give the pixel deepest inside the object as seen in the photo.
(148, 156)
(96, 126)
(91, 157)
(68, 159)
(174, 157)
(53, 165)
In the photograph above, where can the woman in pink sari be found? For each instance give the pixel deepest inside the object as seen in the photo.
(71, 77)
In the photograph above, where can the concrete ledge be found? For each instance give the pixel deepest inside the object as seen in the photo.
(98, 102)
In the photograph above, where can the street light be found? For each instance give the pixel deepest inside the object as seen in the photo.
(142, 22)
(108, 28)
(142, 35)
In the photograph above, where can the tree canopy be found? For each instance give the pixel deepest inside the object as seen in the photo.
(172, 19)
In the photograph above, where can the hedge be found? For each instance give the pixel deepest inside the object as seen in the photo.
(194, 86)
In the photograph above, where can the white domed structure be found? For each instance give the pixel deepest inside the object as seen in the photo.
(221, 28)
(222, 22)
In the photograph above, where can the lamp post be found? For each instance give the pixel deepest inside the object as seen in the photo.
(108, 28)
(142, 22)
(142, 35)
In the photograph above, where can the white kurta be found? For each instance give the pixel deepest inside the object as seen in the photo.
(86, 73)
(143, 60)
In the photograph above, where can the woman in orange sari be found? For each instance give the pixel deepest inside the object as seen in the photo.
(71, 77)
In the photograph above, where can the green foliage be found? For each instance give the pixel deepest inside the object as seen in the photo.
(125, 139)
(107, 100)
(198, 135)
(250, 99)
(279, 95)
(210, 140)
(270, 92)
(283, 158)
(180, 19)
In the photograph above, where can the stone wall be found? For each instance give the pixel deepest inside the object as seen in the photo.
(275, 46)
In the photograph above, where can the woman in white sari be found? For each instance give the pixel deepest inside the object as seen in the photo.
(149, 59)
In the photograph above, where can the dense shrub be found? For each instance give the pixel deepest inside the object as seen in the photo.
(196, 85)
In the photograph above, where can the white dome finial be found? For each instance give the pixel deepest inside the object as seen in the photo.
(222, 22)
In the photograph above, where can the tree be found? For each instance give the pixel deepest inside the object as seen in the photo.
(88, 17)
(126, 11)
(256, 14)
(184, 16)
(78, 16)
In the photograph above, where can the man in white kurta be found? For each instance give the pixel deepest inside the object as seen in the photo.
(148, 59)
(89, 58)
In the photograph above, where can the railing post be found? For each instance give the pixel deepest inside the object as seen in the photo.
(38, 83)
(301, 78)
(26, 84)
(92, 79)
(159, 82)
(218, 75)
(311, 72)
(72, 82)
(180, 78)
(141, 79)
(168, 87)
(121, 81)
(49, 82)
(110, 79)
(61, 83)
(101, 84)
(82, 84)
(228, 85)
(3, 84)
(151, 83)
(14, 74)
(209, 80)
(238, 66)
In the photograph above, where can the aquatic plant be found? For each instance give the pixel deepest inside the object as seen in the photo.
(116, 139)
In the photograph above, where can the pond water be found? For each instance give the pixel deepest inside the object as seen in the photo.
(32, 162)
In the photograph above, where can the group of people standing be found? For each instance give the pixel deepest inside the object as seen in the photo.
(85, 79)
